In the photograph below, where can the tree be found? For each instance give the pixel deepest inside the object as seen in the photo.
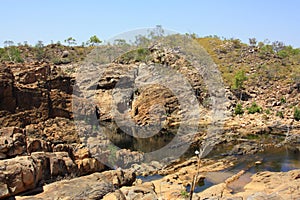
(8, 43)
(239, 80)
(157, 32)
(94, 40)
(252, 42)
(39, 44)
(70, 41)
(120, 42)
(141, 40)
(39, 51)
(278, 46)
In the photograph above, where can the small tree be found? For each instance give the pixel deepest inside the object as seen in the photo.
(157, 32)
(70, 41)
(254, 108)
(8, 43)
(39, 50)
(94, 40)
(278, 46)
(252, 42)
(238, 81)
(239, 109)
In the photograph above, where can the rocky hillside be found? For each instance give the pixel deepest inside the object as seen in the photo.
(39, 142)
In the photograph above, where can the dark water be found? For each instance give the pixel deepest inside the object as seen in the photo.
(123, 138)
(150, 178)
(274, 159)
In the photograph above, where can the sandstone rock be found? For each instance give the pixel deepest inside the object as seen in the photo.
(273, 185)
(12, 142)
(117, 195)
(94, 186)
(55, 131)
(36, 145)
(8, 102)
(89, 165)
(18, 175)
(26, 90)
(27, 172)
(82, 153)
(65, 54)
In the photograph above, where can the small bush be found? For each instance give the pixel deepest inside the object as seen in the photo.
(11, 54)
(239, 109)
(239, 79)
(236, 43)
(138, 55)
(184, 194)
(297, 114)
(265, 51)
(268, 111)
(283, 100)
(279, 114)
(254, 108)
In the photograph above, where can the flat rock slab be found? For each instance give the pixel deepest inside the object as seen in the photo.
(93, 186)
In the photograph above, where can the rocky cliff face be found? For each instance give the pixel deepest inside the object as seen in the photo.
(32, 93)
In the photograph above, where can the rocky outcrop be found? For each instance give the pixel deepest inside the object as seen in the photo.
(54, 130)
(25, 173)
(12, 142)
(94, 186)
(33, 92)
(282, 185)
(145, 92)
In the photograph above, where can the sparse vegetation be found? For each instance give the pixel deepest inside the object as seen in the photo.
(239, 80)
(254, 108)
(11, 53)
(239, 109)
(184, 194)
(268, 111)
(283, 100)
(297, 114)
(138, 55)
(280, 114)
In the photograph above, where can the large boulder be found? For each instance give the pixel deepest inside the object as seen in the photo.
(24, 173)
(12, 142)
(94, 186)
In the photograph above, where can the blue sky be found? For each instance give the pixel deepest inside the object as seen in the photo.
(46, 20)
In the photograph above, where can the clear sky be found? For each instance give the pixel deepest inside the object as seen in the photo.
(46, 20)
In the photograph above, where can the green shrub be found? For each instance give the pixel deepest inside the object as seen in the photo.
(239, 79)
(239, 109)
(266, 51)
(279, 114)
(184, 194)
(11, 54)
(268, 111)
(138, 55)
(288, 51)
(297, 114)
(254, 108)
(283, 54)
(236, 43)
(283, 100)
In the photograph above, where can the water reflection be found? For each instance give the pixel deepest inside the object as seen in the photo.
(274, 159)
(124, 140)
